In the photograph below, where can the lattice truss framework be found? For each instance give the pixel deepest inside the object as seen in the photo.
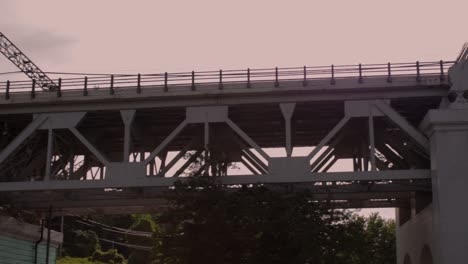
(79, 158)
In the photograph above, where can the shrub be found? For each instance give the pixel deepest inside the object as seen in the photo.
(111, 256)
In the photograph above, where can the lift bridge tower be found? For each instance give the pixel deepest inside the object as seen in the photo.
(107, 144)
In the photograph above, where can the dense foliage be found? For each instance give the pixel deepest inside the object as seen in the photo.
(207, 223)
(211, 224)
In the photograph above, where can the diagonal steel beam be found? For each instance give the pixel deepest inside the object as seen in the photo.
(334, 160)
(249, 141)
(174, 160)
(39, 120)
(254, 163)
(249, 167)
(187, 163)
(166, 141)
(330, 148)
(90, 146)
(330, 155)
(329, 136)
(403, 124)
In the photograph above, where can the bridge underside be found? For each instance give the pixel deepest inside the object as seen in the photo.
(353, 144)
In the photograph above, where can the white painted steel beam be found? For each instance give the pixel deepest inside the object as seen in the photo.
(166, 141)
(403, 124)
(90, 146)
(241, 179)
(127, 117)
(328, 137)
(372, 139)
(247, 139)
(287, 109)
(38, 121)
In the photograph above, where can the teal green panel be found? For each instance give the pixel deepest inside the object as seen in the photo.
(16, 251)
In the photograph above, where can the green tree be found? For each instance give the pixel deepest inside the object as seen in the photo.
(208, 223)
(141, 223)
(81, 243)
(211, 224)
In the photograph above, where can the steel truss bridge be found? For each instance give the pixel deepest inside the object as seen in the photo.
(100, 143)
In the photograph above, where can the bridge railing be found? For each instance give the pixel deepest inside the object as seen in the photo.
(164, 81)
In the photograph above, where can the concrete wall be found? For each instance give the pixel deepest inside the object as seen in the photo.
(17, 242)
(415, 238)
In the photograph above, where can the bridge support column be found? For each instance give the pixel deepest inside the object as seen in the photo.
(448, 132)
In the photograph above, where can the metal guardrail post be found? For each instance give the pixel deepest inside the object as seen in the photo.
(360, 73)
(193, 80)
(59, 88)
(276, 77)
(166, 88)
(248, 78)
(220, 79)
(304, 83)
(139, 83)
(33, 89)
(85, 87)
(389, 73)
(418, 72)
(332, 81)
(442, 75)
(111, 91)
(7, 91)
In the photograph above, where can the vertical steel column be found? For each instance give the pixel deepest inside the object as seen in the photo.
(33, 89)
(442, 75)
(360, 73)
(304, 83)
(389, 70)
(62, 221)
(85, 86)
(59, 88)
(50, 138)
(206, 145)
(49, 220)
(332, 81)
(220, 79)
(36, 245)
(127, 118)
(193, 80)
(287, 109)
(7, 91)
(276, 77)
(139, 83)
(372, 139)
(71, 164)
(111, 90)
(418, 72)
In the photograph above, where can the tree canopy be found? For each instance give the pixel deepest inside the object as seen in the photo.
(208, 223)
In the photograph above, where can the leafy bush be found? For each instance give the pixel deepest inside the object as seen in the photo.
(111, 256)
(70, 260)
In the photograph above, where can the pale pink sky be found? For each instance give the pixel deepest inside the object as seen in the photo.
(156, 36)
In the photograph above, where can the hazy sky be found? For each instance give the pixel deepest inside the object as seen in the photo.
(157, 36)
(111, 36)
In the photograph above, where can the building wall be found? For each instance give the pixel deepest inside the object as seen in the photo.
(18, 240)
(18, 251)
(415, 238)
